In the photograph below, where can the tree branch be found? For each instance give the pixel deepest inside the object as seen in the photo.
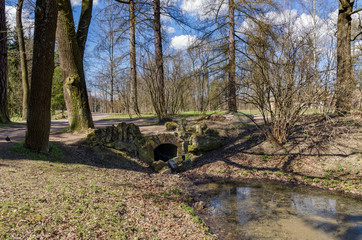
(355, 38)
(83, 26)
(356, 11)
(123, 1)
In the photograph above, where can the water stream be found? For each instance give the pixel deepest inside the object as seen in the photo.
(268, 211)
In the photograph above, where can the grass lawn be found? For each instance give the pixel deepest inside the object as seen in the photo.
(52, 196)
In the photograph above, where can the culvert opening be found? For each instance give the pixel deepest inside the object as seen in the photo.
(165, 152)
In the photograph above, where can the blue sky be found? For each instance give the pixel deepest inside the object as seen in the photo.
(180, 38)
(196, 9)
(298, 11)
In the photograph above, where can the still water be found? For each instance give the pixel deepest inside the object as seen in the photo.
(264, 211)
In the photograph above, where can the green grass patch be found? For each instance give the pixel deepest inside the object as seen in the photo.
(197, 219)
(250, 111)
(196, 113)
(54, 155)
(123, 116)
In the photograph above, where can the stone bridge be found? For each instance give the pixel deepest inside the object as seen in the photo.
(174, 149)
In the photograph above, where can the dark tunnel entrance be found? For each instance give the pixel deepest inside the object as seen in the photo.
(165, 152)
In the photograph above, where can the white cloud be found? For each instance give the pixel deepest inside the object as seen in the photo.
(182, 42)
(170, 30)
(300, 26)
(204, 9)
(79, 2)
(192, 5)
(28, 23)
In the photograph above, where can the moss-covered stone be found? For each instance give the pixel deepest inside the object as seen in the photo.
(159, 165)
(204, 143)
(182, 125)
(171, 126)
(146, 154)
(192, 148)
(128, 138)
(212, 132)
(200, 128)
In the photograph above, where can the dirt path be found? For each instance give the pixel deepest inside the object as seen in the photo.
(16, 131)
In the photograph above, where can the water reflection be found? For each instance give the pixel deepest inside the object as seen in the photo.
(278, 212)
(307, 205)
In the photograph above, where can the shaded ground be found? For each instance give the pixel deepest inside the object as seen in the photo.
(322, 153)
(82, 192)
(77, 192)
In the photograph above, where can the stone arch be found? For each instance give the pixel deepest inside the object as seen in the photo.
(165, 152)
(172, 139)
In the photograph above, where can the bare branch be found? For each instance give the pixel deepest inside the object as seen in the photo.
(355, 38)
(356, 11)
(123, 1)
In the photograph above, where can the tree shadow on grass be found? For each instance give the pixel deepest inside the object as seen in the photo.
(76, 154)
(243, 145)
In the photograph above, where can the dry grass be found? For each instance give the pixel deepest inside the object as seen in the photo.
(81, 193)
(325, 153)
(42, 199)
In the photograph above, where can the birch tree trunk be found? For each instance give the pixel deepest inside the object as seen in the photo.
(23, 64)
(4, 117)
(38, 123)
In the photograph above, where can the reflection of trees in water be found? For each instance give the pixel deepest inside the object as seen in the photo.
(249, 208)
(330, 215)
(236, 204)
(314, 205)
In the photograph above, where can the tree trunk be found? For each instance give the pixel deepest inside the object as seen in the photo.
(83, 26)
(38, 124)
(74, 86)
(4, 117)
(231, 80)
(345, 82)
(112, 85)
(133, 65)
(23, 64)
(159, 103)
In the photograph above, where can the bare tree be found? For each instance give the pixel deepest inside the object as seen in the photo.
(108, 45)
(282, 80)
(177, 84)
(71, 49)
(38, 124)
(200, 58)
(132, 49)
(22, 52)
(4, 117)
(231, 66)
(133, 62)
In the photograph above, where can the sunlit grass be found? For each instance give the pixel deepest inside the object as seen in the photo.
(250, 111)
(123, 116)
(42, 200)
(55, 154)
